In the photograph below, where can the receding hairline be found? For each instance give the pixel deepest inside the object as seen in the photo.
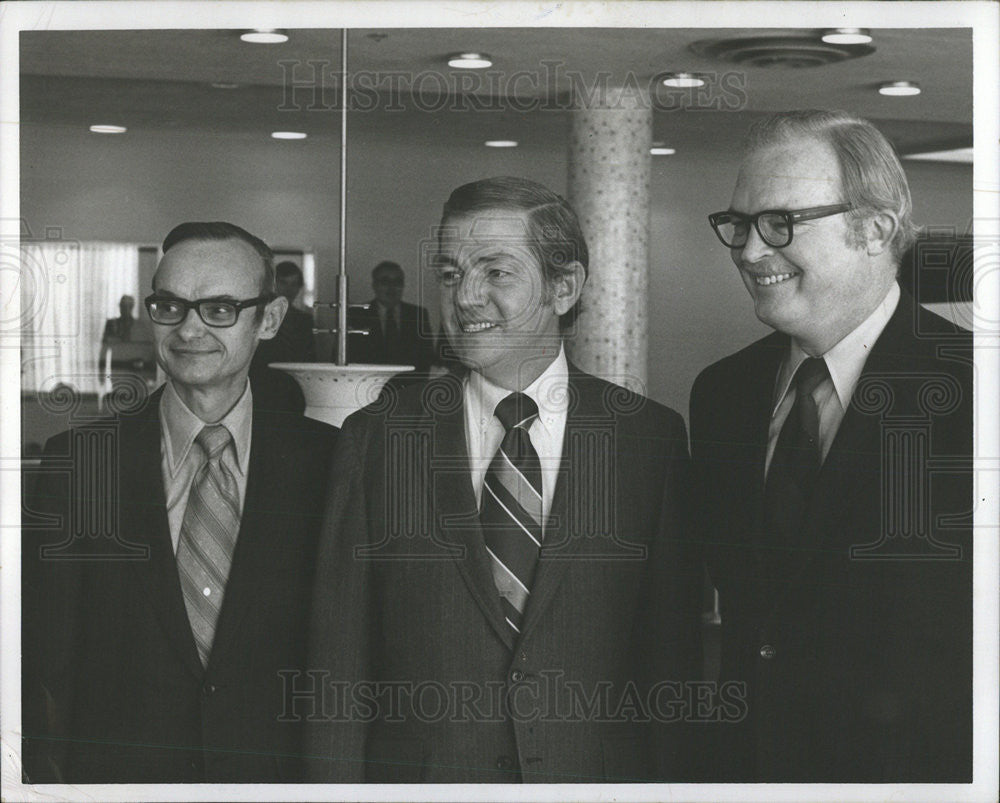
(212, 241)
(794, 147)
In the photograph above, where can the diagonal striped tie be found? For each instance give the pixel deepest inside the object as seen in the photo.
(208, 537)
(511, 507)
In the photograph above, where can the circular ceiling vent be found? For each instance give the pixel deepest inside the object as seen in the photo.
(790, 52)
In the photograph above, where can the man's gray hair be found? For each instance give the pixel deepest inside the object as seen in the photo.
(871, 175)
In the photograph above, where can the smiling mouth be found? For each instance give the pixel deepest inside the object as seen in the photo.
(479, 326)
(766, 279)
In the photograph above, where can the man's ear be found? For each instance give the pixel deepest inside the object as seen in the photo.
(567, 287)
(880, 230)
(274, 314)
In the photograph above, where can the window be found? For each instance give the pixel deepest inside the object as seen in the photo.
(69, 290)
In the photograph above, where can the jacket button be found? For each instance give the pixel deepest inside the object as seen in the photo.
(209, 689)
(517, 675)
(767, 652)
(504, 763)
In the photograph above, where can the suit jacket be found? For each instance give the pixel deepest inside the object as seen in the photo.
(113, 687)
(406, 604)
(415, 345)
(854, 642)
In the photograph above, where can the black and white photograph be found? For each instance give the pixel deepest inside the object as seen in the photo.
(499, 401)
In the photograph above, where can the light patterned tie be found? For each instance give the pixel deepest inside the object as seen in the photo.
(511, 507)
(208, 537)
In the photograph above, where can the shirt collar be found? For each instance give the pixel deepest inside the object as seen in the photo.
(181, 426)
(846, 360)
(550, 391)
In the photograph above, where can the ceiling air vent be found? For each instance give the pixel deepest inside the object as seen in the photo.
(789, 52)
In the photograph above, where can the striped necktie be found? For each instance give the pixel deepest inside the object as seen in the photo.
(208, 537)
(796, 460)
(511, 508)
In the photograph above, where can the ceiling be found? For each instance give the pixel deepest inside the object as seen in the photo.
(162, 79)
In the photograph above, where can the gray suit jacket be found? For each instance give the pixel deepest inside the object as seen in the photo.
(418, 676)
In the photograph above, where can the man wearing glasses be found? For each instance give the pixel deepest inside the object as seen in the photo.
(170, 584)
(841, 552)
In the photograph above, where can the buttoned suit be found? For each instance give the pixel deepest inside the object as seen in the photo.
(113, 687)
(405, 596)
(854, 639)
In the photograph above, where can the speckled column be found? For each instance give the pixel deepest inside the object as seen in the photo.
(609, 168)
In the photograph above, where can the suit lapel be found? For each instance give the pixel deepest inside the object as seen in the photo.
(251, 543)
(857, 445)
(751, 437)
(456, 517)
(763, 380)
(561, 543)
(855, 451)
(375, 329)
(143, 512)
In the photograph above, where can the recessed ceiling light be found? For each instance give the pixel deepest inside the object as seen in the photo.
(899, 89)
(470, 61)
(660, 150)
(288, 135)
(108, 129)
(682, 79)
(264, 36)
(960, 155)
(501, 143)
(223, 85)
(846, 36)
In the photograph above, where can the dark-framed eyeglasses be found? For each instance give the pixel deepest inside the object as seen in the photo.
(775, 226)
(220, 313)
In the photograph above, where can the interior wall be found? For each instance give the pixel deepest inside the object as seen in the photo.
(137, 186)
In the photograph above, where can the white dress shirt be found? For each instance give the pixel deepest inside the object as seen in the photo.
(179, 462)
(844, 361)
(484, 432)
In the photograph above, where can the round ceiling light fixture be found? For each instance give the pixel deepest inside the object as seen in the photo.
(899, 89)
(846, 36)
(108, 129)
(288, 135)
(682, 79)
(264, 36)
(470, 61)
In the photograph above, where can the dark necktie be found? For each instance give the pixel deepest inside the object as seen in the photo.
(390, 337)
(208, 537)
(797, 457)
(511, 507)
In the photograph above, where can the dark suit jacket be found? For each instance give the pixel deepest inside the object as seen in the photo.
(415, 345)
(404, 595)
(113, 688)
(855, 642)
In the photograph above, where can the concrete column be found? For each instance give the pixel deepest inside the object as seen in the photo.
(609, 170)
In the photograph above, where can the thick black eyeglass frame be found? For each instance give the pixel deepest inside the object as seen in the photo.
(790, 216)
(238, 307)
